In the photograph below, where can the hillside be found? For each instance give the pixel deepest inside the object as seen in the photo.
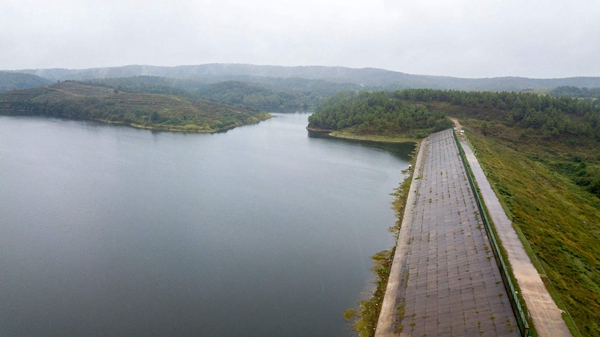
(11, 81)
(265, 93)
(369, 77)
(542, 155)
(378, 113)
(284, 94)
(152, 111)
(588, 94)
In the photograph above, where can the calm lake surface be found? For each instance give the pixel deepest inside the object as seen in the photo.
(259, 231)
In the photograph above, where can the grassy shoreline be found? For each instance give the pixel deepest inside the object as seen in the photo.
(185, 129)
(368, 138)
(365, 319)
(373, 138)
(159, 112)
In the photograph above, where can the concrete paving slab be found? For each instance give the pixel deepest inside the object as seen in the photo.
(443, 269)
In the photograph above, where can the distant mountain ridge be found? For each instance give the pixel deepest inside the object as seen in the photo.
(369, 77)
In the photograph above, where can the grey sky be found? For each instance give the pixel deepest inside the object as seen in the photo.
(465, 38)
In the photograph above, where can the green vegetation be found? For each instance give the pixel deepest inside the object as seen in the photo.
(559, 220)
(12, 81)
(368, 312)
(151, 111)
(149, 85)
(544, 115)
(264, 93)
(589, 94)
(257, 95)
(377, 113)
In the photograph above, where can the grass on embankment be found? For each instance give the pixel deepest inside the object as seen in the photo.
(561, 222)
(374, 138)
(365, 320)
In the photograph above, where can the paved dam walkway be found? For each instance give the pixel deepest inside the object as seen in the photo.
(546, 315)
(444, 279)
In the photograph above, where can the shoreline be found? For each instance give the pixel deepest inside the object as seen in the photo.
(153, 127)
(367, 138)
(173, 128)
(369, 311)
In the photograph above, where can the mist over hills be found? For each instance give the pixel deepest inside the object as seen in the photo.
(364, 77)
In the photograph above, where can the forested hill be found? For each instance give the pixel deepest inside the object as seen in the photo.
(282, 94)
(11, 81)
(368, 77)
(267, 93)
(381, 112)
(546, 125)
(257, 95)
(154, 111)
(377, 113)
(543, 115)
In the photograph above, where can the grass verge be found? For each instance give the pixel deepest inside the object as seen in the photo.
(505, 268)
(374, 138)
(560, 224)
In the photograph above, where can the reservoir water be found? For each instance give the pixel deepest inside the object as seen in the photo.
(260, 231)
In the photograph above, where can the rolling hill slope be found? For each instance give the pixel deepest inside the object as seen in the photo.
(152, 111)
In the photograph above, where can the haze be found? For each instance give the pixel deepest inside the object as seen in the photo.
(465, 38)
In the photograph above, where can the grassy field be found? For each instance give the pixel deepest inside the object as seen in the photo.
(559, 219)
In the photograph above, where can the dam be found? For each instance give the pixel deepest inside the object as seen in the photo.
(445, 279)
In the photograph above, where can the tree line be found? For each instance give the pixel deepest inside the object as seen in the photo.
(376, 113)
(552, 116)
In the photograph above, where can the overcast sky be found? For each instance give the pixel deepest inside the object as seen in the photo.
(464, 38)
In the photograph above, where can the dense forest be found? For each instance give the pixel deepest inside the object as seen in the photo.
(551, 116)
(153, 111)
(376, 113)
